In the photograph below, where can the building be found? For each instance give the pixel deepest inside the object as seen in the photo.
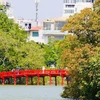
(50, 28)
(9, 9)
(36, 34)
(70, 7)
(25, 24)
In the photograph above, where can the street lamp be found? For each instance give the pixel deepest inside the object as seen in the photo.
(37, 3)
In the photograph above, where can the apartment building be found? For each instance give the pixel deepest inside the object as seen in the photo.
(70, 7)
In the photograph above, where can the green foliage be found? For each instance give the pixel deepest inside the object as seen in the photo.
(2, 8)
(81, 55)
(85, 25)
(14, 48)
(96, 6)
(83, 65)
(52, 52)
(33, 56)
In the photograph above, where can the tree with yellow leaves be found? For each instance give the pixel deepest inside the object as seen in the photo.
(80, 53)
(82, 61)
(86, 25)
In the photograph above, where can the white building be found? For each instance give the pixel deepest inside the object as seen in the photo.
(50, 28)
(9, 11)
(25, 24)
(70, 7)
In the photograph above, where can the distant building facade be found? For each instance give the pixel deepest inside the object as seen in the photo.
(70, 7)
(50, 28)
(25, 24)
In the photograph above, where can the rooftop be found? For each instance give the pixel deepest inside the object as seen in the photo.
(35, 28)
(55, 19)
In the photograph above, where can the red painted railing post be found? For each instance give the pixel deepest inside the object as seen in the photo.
(3, 81)
(62, 83)
(26, 80)
(50, 79)
(38, 80)
(14, 80)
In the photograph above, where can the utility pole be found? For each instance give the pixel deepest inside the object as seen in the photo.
(36, 3)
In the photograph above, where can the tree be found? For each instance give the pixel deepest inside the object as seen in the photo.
(96, 6)
(82, 62)
(91, 79)
(15, 50)
(31, 56)
(52, 52)
(2, 8)
(85, 25)
(81, 56)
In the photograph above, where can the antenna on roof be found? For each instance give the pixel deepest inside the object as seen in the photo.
(37, 3)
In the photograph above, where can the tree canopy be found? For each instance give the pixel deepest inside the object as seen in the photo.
(85, 25)
(14, 48)
(96, 6)
(81, 55)
(52, 52)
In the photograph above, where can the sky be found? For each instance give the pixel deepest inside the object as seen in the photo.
(47, 9)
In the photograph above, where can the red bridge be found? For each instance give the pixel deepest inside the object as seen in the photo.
(18, 74)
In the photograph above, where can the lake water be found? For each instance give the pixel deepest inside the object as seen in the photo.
(31, 92)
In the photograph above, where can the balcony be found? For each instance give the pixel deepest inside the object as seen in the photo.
(53, 32)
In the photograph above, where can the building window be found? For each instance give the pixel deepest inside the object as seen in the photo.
(69, 11)
(47, 25)
(83, 0)
(69, 6)
(69, 1)
(59, 37)
(59, 24)
(25, 24)
(29, 26)
(35, 34)
(88, 0)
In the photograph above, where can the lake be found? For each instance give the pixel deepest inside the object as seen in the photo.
(31, 92)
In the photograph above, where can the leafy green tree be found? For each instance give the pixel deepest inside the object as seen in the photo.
(52, 52)
(32, 56)
(14, 48)
(2, 8)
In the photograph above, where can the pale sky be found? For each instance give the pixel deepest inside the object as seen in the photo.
(47, 9)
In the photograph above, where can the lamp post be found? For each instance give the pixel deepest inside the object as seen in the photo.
(37, 3)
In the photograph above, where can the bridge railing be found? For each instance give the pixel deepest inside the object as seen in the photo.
(33, 73)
